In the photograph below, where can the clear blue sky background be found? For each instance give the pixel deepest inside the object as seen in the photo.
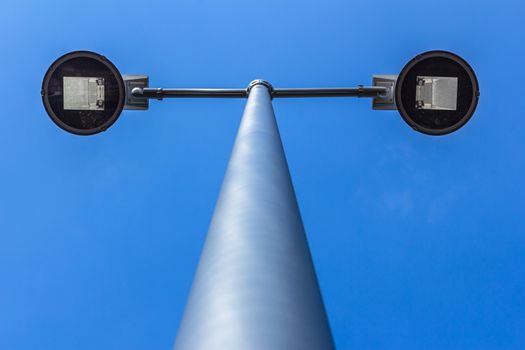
(419, 242)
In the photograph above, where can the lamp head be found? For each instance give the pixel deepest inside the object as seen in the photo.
(83, 92)
(437, 92)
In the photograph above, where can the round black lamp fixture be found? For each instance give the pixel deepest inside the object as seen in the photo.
(437, 92)
(83, 92)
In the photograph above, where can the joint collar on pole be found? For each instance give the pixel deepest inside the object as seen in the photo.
(260, 82)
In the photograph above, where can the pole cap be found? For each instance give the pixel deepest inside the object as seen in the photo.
(259, 82)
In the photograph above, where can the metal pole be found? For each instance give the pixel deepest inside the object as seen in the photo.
(255, 287)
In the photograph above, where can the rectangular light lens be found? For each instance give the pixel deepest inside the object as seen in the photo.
(84, 93)
(436, 93)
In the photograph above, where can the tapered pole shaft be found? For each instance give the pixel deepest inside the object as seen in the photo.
(255, 287)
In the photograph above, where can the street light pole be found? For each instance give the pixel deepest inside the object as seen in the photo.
(255, 286)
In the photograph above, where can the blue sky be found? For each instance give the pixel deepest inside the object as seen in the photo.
(418, 241)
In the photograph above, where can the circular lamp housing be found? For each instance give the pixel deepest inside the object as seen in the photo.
(437, 92)
(83, 92)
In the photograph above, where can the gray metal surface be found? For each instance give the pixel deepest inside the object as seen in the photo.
(255, 287)
(83, 93)
(436, 93)
(131, 82)
(385, 101)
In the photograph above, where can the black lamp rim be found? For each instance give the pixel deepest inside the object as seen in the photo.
(89, 54)
(475, 93)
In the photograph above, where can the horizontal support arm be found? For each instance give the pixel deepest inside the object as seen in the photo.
(360, 91)
(160, 93)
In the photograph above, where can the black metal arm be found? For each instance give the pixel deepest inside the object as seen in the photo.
(359, 91)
